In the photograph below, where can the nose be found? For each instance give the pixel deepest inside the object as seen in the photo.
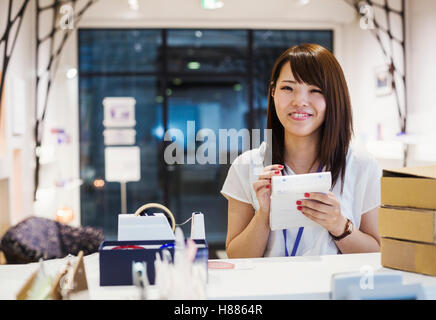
(299, 98)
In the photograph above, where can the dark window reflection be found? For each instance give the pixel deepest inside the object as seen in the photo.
(124, 50)
(214, 51)
(100, 206)
(212, 104)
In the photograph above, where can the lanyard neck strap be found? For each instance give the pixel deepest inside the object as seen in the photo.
(297, 242)
(300, 233)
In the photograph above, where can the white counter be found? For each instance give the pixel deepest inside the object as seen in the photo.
(261, 278)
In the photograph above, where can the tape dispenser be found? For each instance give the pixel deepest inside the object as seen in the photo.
(156, 226)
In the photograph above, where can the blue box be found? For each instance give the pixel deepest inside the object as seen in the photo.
(116, 265)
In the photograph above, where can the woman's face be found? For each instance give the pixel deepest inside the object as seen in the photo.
(300, 107)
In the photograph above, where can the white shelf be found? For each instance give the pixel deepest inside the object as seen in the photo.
(384, 149)
(5, 168)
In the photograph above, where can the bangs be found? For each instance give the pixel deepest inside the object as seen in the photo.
(306, 68)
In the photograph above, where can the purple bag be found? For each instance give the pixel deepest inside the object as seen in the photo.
(36, 238)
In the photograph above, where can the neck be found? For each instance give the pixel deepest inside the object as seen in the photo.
(301, 152)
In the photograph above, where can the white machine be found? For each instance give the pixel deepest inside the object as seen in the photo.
(155, 226)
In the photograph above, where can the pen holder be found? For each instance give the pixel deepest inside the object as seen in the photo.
(116, 258)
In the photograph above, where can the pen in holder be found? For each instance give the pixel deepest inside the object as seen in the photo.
(182, 278)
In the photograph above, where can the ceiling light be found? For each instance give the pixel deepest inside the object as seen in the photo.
(301, 3)
(211, 4)
(193, 65)
(134, 5)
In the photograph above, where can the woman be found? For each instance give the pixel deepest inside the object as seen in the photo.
(309, 114)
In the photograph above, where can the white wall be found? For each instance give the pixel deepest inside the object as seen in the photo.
(19, 108)
(235, 13)
(362, 55)
(61, 162)
(421, 65)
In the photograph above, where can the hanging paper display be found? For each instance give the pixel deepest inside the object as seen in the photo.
(122, 164)
(119, 112)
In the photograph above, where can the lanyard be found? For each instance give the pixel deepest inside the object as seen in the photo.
(300, 233)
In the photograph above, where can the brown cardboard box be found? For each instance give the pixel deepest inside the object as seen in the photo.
(408, 224)
(409, 187)
(409, 256)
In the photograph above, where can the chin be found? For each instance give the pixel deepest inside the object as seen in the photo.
(300, 133)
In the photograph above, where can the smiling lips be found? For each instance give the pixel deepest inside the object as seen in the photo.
(300, 116)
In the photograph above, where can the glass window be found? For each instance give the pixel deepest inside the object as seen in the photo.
(124, 50)
(215, 78)
(211, 104)
(100, 205)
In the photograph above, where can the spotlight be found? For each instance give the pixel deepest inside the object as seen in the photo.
(98, 183)
(301, 3)
(211, 4)
(193, 65)
(64, 215)
(71, 73)
(134, 5)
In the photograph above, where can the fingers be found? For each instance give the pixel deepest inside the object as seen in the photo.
(269, 174)
(326, 198)
(316, 205)
(264, 179)
(259, 184)
(314, 215)
(274, 167)
(272, 170)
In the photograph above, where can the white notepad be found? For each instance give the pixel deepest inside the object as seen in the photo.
(286, 190)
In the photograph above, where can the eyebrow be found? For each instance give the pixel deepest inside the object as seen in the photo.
(295, 82)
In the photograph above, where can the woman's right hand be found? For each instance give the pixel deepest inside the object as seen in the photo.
(262, 186)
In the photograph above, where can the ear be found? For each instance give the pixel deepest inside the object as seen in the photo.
(273, 89)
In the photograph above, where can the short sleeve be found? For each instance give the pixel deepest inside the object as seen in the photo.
(237, 184)
(371, 190)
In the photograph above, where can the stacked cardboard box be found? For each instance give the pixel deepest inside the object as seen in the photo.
(407, 219)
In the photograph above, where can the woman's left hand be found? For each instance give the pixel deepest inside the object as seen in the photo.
(324, 209)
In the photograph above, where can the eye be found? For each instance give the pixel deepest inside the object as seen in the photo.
(316, 91)
(286, 88)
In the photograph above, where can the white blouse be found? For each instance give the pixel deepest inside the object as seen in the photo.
(361, 194)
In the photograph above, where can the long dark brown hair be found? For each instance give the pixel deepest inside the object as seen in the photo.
(317, 66)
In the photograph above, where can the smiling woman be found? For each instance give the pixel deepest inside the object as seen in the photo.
(310, 77)
(309, 114)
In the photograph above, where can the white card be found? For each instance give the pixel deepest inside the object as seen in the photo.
(286, 190)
